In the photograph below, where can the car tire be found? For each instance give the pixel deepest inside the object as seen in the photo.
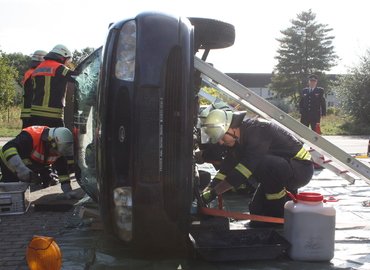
(212, 34)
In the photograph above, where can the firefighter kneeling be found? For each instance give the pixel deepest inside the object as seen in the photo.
(34, 155)
(258, 151)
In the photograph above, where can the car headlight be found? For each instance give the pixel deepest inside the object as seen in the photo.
(123, 212)
(126, 52)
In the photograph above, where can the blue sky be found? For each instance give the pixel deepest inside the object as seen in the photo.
(26, 26)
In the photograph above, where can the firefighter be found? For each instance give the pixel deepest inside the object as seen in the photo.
(31, 153)
(258, 151)
(215, 153)
(36, 58)
(50, 84)
(211, 153)
(312, 105)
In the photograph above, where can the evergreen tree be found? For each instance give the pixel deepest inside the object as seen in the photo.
(305, 48)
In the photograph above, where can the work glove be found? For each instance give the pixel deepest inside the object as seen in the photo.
(21, 170)
(49, 178)
(208, 196)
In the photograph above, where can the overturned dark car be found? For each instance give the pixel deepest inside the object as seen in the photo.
(134, 116)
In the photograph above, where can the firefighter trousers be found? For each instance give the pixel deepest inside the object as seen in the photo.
(274, 175)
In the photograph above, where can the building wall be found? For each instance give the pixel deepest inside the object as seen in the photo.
(258, 82)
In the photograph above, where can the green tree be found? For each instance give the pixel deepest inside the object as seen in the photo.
(20, 62)
(305, 48)
(78, 56)
(354, 91)
(8, 77)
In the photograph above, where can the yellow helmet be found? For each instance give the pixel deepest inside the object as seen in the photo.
(216, 124)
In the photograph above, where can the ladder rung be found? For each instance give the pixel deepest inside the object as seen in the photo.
(345, 171)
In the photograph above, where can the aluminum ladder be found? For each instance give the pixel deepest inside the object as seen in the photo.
(336, 160)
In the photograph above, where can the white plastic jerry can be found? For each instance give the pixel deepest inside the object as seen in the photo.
(309, 226)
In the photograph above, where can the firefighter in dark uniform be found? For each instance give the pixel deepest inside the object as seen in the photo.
(29, 155)
(260, 151)
(50, 84)
(36, 58)
(312, 104)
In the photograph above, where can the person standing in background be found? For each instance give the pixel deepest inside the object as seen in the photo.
(36, 58)
(50, 85)
(312, 105)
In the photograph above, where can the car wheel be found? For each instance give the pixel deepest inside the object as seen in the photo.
(212, 34)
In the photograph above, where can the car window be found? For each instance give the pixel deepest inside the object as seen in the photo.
(84, 121)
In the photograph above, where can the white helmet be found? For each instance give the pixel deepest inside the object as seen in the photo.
(38, 55)
(62, 139)
(217, 123)
(62, 50)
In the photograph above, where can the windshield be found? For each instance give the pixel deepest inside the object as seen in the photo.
(84, 121)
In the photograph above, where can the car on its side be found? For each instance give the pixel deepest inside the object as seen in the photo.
(135, 114)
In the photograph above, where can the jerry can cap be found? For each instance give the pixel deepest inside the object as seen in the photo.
(309, 196)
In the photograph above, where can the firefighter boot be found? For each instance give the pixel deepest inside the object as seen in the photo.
(257, 202)
(270, 208)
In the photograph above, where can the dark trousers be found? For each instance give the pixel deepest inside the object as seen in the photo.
(45, 121)
(310, 120)
(274, 174)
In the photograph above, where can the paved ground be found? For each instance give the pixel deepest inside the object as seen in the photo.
(85, 245)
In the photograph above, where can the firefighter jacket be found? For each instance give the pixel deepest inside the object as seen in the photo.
(312, 104)
(27, 94)
(257, 139)
(33, 148)
(50, 81)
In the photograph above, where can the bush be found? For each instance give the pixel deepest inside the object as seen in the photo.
(354, 127)
(333, 111)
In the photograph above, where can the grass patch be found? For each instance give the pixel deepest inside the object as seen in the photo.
(333, 125)
(10, 123)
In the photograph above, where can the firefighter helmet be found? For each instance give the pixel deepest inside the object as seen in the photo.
(61, 140)
(217, 104)
(38, 55)
(62, 50)
(217, 123)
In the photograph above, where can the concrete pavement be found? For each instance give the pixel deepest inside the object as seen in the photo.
(85, 245)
